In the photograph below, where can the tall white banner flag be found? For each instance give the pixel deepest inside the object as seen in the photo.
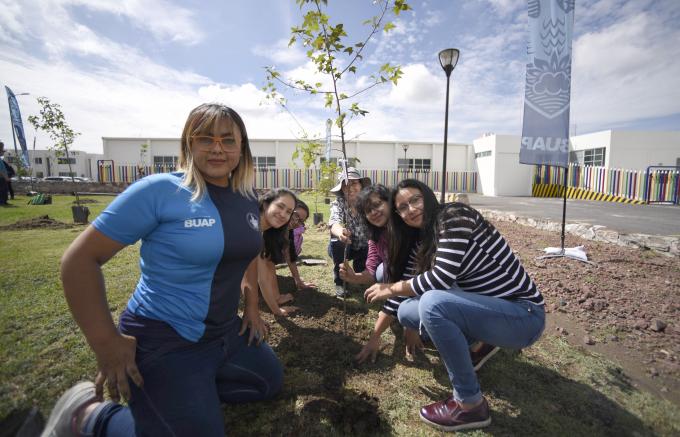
(545, 131)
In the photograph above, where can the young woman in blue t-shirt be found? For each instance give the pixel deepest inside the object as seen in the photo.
(180, 349)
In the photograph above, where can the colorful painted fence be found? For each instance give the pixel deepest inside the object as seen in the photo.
(299, 179)
(633, 186)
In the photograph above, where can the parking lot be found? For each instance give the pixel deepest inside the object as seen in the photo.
(654, 219)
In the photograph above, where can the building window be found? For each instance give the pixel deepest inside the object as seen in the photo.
(414, 164)
(164, 163)
(39, 174)
(594, 157)
(265, 162)
(483, 154)
(37, 160)
(66, 173)
(66, 161)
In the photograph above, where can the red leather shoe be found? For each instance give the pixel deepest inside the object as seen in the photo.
(447, 415)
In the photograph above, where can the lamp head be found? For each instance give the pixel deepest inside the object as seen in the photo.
(448, 58)
(405, 147)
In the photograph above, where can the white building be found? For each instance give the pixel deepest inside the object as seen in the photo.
(632, 150)
(46, 163)
(277, 153)
(501, 174)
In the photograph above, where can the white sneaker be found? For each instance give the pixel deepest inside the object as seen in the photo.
(341, 292)
(62, 418)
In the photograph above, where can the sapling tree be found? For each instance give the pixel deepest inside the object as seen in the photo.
(52, 121)
(335, 57)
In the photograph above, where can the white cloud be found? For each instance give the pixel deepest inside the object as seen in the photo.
(163, 19)
(506, 7)
(626, 71)
(280, 53)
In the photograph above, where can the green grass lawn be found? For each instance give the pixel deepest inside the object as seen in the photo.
(59, 210)
(551, 388)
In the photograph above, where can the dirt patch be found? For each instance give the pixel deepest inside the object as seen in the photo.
(42, 222)
(625, 307)
(85, 201)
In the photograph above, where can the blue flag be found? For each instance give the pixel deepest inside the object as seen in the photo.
(545, 132)
(17, 126)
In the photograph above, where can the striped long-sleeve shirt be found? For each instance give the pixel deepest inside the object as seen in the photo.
(473, 255)
(391, 305)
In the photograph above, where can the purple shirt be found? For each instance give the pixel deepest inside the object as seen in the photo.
(377, 253)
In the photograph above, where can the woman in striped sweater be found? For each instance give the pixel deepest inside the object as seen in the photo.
(469, 288)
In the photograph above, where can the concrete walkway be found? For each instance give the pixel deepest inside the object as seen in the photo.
(655, 219)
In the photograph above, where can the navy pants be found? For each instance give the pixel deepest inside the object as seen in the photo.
(336, 250)
(184, 388)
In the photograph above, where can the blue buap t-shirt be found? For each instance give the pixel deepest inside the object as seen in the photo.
(193, 254)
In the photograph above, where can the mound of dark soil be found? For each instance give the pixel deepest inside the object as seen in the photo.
(42, 222)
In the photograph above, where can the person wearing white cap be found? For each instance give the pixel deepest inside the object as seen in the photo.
(348, 231)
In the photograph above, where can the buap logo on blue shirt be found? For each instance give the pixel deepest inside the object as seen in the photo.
(253, 221)
(200, 222)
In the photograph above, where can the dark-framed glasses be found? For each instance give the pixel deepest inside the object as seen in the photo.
(296, 218)
(415, 202)
(374, 206)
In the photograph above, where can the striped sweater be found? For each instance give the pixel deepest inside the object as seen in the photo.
(391, 305)
(473, 255)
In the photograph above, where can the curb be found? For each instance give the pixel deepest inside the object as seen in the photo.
(665, 245)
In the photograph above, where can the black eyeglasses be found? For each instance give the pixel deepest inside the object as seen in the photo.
(296, 218)
(374, 206)
(415, 202)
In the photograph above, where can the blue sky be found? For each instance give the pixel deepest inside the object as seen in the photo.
(137, 67)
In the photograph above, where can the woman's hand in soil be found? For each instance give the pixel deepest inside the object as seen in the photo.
(287, 310)
(413, 342)
(370, 350)
(253, 322)
(116, 361)
(377, 292)
(303, 285)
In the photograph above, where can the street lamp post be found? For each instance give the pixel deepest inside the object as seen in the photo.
(448, 58)
(405, 147)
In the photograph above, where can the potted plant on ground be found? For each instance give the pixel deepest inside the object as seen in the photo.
(52, 121)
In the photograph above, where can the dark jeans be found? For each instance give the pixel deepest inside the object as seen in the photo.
(183, 388)
(3, 191)
(336, 250)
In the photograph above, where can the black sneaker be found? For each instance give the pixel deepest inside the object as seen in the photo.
(483, 354)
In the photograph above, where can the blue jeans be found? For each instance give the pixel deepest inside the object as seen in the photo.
(455, 319)
(336, 250)
(183, 388)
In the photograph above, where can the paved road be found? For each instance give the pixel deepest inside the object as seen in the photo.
(626, 219)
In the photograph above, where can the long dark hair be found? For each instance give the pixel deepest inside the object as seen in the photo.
(364, 203)
(275, 239)
(403, 237)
